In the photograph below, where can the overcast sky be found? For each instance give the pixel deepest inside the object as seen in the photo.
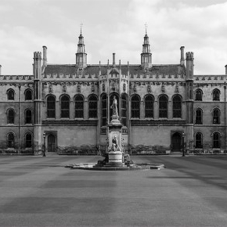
(113, 26)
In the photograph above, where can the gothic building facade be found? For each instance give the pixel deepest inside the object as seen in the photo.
(67, 107)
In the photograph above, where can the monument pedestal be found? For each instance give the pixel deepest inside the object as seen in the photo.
(115, 155)
(115, 158)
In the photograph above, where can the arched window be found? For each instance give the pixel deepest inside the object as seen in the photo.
(198, 95)
(65, 106)
(135, 107)
(28, 140)
(198, 116)
(216, 140)
(177, 106)
(92, 106)
(28, 94)
(124, 109)
(163, 107)
(79, 107)
(51, 107)
(216, 95)
(104, 110)
(10, 140)
(198, 140)
(10, 116)
(216, 116)
(10, 94)
(149, 106)
(28, 117)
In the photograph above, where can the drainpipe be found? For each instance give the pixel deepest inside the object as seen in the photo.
(225, 122)
(19, 144)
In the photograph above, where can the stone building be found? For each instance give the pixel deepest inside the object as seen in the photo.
(160, 106)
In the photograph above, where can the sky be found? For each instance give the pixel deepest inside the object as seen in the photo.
(113, 26)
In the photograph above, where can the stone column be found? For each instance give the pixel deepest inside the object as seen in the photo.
(86, 108)
(170, 109)
(58, 109)
(156, 110)
(71, 109)
(142, 109)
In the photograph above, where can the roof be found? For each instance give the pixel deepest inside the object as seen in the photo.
(134, 69)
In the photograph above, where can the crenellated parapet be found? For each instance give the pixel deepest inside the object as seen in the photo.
(19, 78)
(157, 77)
(70, 77)
(209, 78)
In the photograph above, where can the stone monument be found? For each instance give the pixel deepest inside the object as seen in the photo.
(115, 154)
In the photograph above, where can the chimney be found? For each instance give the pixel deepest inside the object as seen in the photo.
(113, 59)
(182, 55)
(225, 70)
(189, 65)
(0, 70)
(44, 56)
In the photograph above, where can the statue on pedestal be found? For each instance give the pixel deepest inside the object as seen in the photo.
(115, 146)
(114, 107)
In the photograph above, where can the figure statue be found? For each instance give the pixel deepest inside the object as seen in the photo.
(114, 107)
(114, 144)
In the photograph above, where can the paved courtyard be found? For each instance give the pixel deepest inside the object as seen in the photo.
(37, 191)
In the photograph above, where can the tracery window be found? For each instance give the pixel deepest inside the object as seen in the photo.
(10, 94)
(199, 140)
(51, 107)
(135, 107)
(10, 140)
(198, 95)
(28, 117)
(10, 116)
(198, 116)
(92, 103)
(123, 109)
(28, 140)
(79, 107)
(65, 106)
(28, 94)
(149, 106)
(216, 116)
(216, 140)
(104, 109)
(216, 95)
(177, 105)
(163, 107)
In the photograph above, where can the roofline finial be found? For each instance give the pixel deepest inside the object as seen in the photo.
(81, 26)
(145, 28)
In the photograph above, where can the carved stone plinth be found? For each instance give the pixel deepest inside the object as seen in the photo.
(115, 157)
(115, 120)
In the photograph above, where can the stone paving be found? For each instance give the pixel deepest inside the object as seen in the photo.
(37, 191)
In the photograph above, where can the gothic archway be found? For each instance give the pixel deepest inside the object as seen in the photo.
(176, 142)
(51, 143)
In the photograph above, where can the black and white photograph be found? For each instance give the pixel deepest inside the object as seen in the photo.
(113, 113)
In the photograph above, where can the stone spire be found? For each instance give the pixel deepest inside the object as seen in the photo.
(81, 56)
(146, 53)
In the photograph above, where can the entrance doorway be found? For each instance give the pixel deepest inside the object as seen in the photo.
(176, 142)
(51, 143)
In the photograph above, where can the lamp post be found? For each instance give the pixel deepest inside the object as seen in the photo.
(44, 144)
(183, 154)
